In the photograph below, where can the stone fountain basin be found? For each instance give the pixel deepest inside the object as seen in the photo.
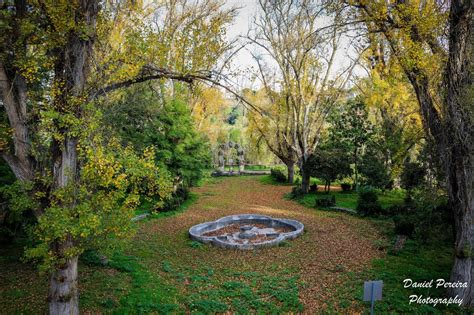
(295, 228)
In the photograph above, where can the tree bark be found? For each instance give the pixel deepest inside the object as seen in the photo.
(72, 67)
(305, 180)
(460, 152)
(291, 172)
(63, 294)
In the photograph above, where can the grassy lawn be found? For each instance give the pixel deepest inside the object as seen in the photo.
(349, 199)
(161, 271)
(257, 167)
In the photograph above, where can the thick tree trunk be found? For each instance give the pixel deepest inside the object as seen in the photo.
(305, 180)
(63, 291)
(461, 198)
(291, 172)
(460, 152)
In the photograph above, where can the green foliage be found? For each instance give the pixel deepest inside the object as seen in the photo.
(296, 192)
(145, 120)
(326, 201)
(16, 209)
(350, 126)
(6, 175)
(368, 203)
(425, 217)
(329, 163)
(182, 150)
(98, 212)
(278, 174)
(374, 171)
(413, 175)
(346, 186)
(404, 225)
(178, 197)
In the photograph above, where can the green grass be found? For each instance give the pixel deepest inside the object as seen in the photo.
(257, 167)
(419, 263)
(269, 180)
(349, 199)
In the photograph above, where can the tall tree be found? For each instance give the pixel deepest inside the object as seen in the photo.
(351, 130)
(293, 36)
(442, 79)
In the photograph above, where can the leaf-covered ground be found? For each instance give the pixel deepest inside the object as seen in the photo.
(162, 271)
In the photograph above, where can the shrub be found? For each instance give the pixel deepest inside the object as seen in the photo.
(413, 175)
(313, 188)
(424, 218)
(327, 201)
(178, 197)
(374, 172)
(296, 192)
(368, 203)
(346, 187)
(404, 224)
(278, 175)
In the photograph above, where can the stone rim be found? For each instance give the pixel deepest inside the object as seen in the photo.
(195, 232)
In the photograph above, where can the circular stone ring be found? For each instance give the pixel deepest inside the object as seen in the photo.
(246, 231)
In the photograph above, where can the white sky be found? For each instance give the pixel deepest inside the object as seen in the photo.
(243, 60)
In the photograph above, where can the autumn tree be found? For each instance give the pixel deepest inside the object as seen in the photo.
(274, 127)
(439, 66)
(56, 58)
(292, 35)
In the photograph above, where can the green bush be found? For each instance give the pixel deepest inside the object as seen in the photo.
(178, 197)
(423, 217)
(368, 203)
(278, 175)
(346, 187)
(413, 175)
(296, 192)
(404, 224)
(326, 201)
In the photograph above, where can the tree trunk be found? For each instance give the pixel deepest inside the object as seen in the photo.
(291, 172)
(305, 180)
(356, 171)
(63, 291)
(460, 152)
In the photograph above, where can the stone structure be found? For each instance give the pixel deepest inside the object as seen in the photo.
(225, 157)
(246, 231)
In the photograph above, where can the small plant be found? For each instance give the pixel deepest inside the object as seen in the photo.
(278, 175)
(326, 202)
(368, 203)
(296, 192)
(346, 186)
(195, 244)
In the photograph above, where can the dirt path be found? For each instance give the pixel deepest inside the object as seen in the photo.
(333, 243)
